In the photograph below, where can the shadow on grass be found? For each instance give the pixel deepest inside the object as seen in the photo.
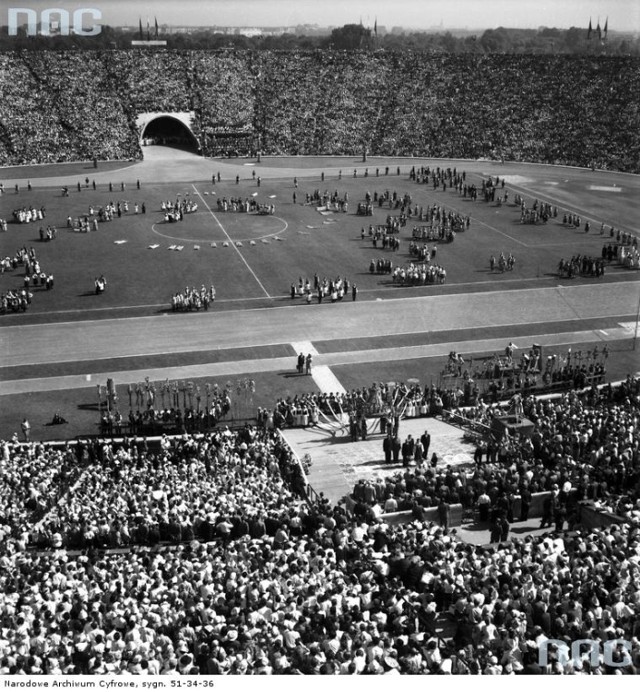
(88, 407)
(292, 374)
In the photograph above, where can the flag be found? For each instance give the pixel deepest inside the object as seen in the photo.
(156, 21)
(375, 27)
(590, 30)
(599, 30)
(606, 27)
(148, 35)
(141, 28)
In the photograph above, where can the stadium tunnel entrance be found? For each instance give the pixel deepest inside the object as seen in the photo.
(168, 129)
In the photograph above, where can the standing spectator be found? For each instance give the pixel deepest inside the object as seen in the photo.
(407, 451)
(426, 443)
(396, 447)
(444, 514)
(548, 510)
(484, 504)
(504, 534)
(387, 448)
(418, 453)
(525, 502)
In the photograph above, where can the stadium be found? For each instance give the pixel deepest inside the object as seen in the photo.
(319, 362)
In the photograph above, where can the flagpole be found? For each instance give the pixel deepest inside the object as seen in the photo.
(635, 333)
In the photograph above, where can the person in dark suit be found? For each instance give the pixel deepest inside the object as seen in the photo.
(396, 446)
(444, 514)
(387, 448)
(504, 533)
(407, 451)
(426, 442)
(495, 530)
(363, 427)
(548, 510)
(525, 502)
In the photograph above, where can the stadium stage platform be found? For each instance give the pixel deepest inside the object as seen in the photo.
(337, 463)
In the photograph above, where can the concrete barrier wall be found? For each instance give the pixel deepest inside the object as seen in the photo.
(431, 513)
(592, 518)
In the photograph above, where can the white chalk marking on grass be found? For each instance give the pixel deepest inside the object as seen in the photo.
(562, 203)
(493, 228)
(602, 331)
(322, 375)
(604, 188)
(514, 179)
(304, 347)
(326, 381)
(222, 228)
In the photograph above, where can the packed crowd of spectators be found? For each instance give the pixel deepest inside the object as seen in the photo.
(590, 440)
(107, 494)
(77, 106)
(224, 567)
(66, 107)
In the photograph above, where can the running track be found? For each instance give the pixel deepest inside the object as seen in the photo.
(90, 341)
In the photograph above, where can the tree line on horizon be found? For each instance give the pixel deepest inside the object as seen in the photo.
(545, 41)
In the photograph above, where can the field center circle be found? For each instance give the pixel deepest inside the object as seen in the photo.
(205, 227)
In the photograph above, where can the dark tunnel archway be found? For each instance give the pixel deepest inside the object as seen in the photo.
(169, 131)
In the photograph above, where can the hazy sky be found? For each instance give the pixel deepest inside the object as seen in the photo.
(624, 15)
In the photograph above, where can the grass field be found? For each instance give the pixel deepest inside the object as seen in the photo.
(252, 260)
(264, 254)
